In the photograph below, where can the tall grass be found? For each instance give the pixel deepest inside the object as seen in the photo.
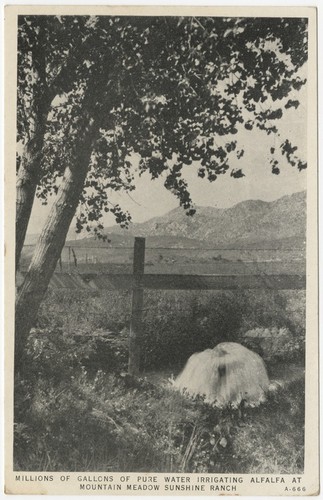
(175, 323)
(75, 409)
(116, 424)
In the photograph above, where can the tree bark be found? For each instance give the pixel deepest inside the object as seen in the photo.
(51, 242)
(29, 172)
(28, 178)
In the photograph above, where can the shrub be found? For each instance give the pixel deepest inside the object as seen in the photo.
(275, 344)
(175, 323)
(83, 311)
(272, 309)
(181, 324)
(56, 355)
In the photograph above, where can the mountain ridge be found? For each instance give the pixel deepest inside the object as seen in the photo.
(247, 222)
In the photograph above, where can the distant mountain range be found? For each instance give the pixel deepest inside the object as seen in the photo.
(249, 224)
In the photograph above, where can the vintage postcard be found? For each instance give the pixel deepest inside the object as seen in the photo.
(161, 327)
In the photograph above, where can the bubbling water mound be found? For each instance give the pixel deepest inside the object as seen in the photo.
(229, 373)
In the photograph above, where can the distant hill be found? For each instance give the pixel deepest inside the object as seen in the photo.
(253, 236)
(249, 224)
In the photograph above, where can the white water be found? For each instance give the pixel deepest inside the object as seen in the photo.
(229, 373)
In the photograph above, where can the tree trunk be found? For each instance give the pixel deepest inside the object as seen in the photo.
(29, 172)
(51, 243)
(27, 180)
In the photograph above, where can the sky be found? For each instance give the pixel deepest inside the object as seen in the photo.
(151, 199)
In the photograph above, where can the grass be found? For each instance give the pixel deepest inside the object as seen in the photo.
(272, 441)
(175, 323)
(76, 410)
(119, 424)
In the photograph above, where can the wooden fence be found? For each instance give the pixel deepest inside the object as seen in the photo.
(138, 281)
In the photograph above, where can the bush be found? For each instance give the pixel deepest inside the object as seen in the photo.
(275, 344)
(56, 355)
(175, 323)
(266, 308)
(184, 323)
(84, 311)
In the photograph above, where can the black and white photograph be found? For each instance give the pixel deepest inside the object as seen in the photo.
(161, 239)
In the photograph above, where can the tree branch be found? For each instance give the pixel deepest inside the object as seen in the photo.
(66, 76)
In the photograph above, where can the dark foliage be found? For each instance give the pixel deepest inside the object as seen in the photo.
(164, 88)
(108, 423)
(175, 325)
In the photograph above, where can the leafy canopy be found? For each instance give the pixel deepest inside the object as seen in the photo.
(169, 90)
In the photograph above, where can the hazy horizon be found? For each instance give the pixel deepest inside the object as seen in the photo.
(72, 234)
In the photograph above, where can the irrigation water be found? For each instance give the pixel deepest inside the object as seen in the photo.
(228, 374)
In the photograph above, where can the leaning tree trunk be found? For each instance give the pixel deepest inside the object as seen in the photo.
(51, 243)
(29, 172)
(28, 177)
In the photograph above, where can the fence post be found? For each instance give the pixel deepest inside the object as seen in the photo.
(137, 304)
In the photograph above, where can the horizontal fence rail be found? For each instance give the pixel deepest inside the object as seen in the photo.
(105, 281)
(138, 281)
